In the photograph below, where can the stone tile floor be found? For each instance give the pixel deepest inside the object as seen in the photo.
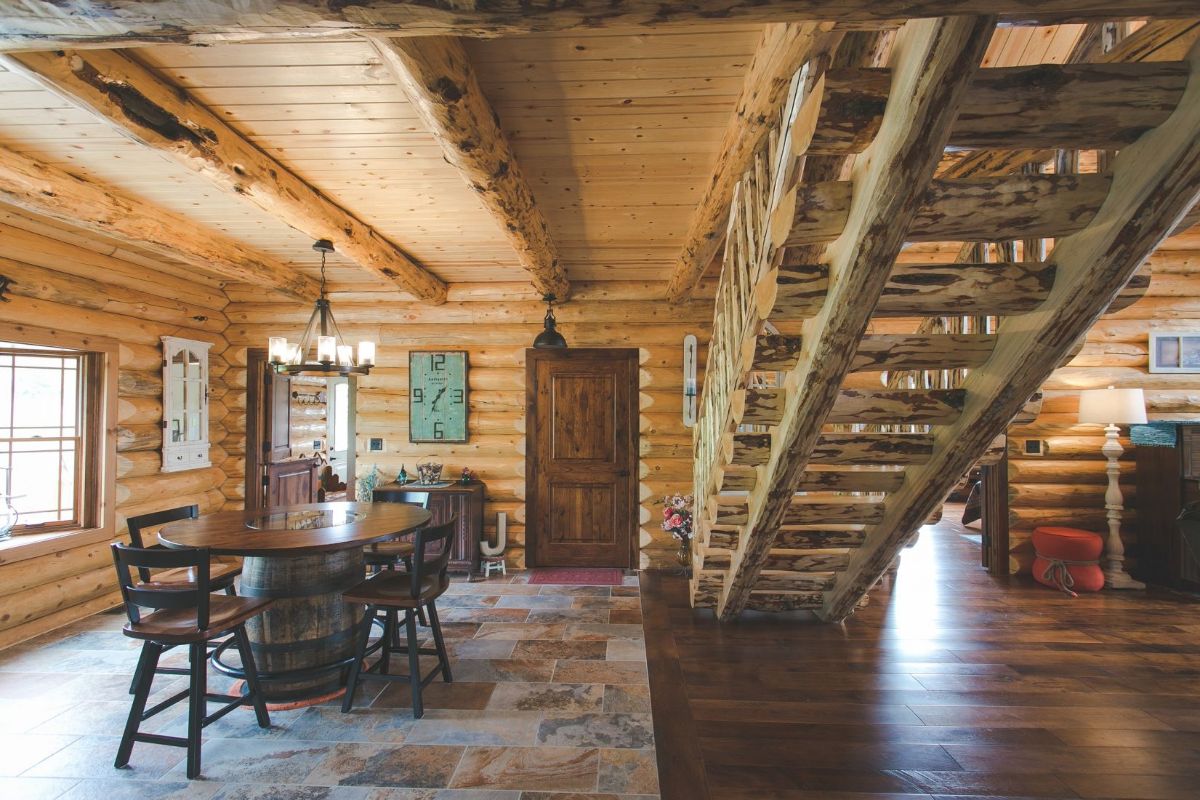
(550, 701)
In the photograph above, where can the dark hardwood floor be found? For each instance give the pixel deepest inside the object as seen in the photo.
(951, 684)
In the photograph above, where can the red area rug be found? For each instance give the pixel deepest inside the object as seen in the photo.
(579, 576)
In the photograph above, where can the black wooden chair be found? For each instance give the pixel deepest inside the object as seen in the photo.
(392, 592)
(182, 614)
(222, 572)
(391, 553)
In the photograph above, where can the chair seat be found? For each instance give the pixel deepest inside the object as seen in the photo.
(179, 626)
(395, 589)
(220, 574)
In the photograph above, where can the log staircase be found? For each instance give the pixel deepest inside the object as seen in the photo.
(821, 445)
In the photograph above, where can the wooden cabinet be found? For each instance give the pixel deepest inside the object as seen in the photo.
(185, 404)
(1168, 478)
(464, 501)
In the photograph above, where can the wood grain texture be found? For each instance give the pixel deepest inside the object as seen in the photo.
(47, 24)
(47, 190)
(783, 49)
(437, 76)
(142, 105)
(1155, 182)
(934, 64)
(997, 688)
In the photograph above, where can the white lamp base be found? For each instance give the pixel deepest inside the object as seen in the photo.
(1115, 576)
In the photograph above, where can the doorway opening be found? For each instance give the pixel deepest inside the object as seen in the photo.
(300, 434)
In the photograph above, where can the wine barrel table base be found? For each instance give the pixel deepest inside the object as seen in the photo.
(304, 642)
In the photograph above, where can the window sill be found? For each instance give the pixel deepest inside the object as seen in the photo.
(23, 546)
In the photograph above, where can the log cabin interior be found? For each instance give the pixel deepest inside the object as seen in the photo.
(817, 280)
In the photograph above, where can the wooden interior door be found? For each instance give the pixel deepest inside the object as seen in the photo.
(581, 457)
(273, 477)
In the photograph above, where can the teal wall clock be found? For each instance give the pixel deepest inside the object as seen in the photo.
(437, 396)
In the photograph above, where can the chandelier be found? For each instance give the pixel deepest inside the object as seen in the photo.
(322, 352)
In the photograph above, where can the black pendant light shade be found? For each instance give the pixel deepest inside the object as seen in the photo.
(550, 337)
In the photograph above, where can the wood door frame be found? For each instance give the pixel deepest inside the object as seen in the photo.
(532, 358)
(256, 361)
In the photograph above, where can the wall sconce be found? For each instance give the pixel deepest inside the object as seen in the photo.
(689, 381)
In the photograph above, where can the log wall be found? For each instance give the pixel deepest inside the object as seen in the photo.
(1066, 485)
(495, 333)
(73, 288)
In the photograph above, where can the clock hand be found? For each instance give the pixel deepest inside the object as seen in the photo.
(439, 397)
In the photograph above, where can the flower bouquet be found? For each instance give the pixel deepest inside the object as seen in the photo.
(677, 518)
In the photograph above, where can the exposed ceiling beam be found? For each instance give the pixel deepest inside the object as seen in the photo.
(138, 103)
(782, 50)
(47, 24)
(47, 190)
(436, 74)
(1155, 181)
(934, 62)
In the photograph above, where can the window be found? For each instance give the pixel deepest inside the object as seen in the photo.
(48, 437)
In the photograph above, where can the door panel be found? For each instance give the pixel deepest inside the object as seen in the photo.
(581, 457)
(291, 483)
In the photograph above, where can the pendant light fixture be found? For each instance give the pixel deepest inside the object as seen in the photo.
(322, 352)
(550, 338)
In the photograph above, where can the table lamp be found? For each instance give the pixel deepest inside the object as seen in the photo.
(1113, 407)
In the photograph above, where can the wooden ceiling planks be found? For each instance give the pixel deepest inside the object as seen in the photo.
(617, 133)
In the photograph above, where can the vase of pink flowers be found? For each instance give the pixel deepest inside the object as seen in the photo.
(677, 518)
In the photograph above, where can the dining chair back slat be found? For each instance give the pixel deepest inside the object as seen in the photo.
(141, 522)
(438, 564)
(139, 595)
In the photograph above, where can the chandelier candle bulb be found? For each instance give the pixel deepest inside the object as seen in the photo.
(326, 349)
(366, 354)
(277, 349)
(345, 355)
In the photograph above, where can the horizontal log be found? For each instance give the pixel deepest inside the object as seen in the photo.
(820, 212)
(139, 410)
(770, 581)
(136, 491)
(775, 353)
(975, 210)
(59, 287)
(1059, 106)
(48, 24)
(138, 463)
(1071, 448)
(49, 598)
(832, 510)
(850, 480)
(873, 448)
(784, 601)
(957, 289)
(749, 449)
(890, 351)
(29, 573)
(1065, 495)
(798, 539)
(1088, 519)
(527, 312)
(1052, 470)
(138, 437)
(927, 289)
(140, 384)
(59, 618)
(897, 406)
(807, 561)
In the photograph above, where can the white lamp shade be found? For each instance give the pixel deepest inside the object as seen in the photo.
(1112, 406)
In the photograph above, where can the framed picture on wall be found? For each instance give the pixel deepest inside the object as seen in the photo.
(1173, 351)
(437, 396)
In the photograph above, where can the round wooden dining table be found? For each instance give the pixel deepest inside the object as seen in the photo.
(302, 557)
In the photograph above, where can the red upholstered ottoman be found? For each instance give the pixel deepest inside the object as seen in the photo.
(1068, 559)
